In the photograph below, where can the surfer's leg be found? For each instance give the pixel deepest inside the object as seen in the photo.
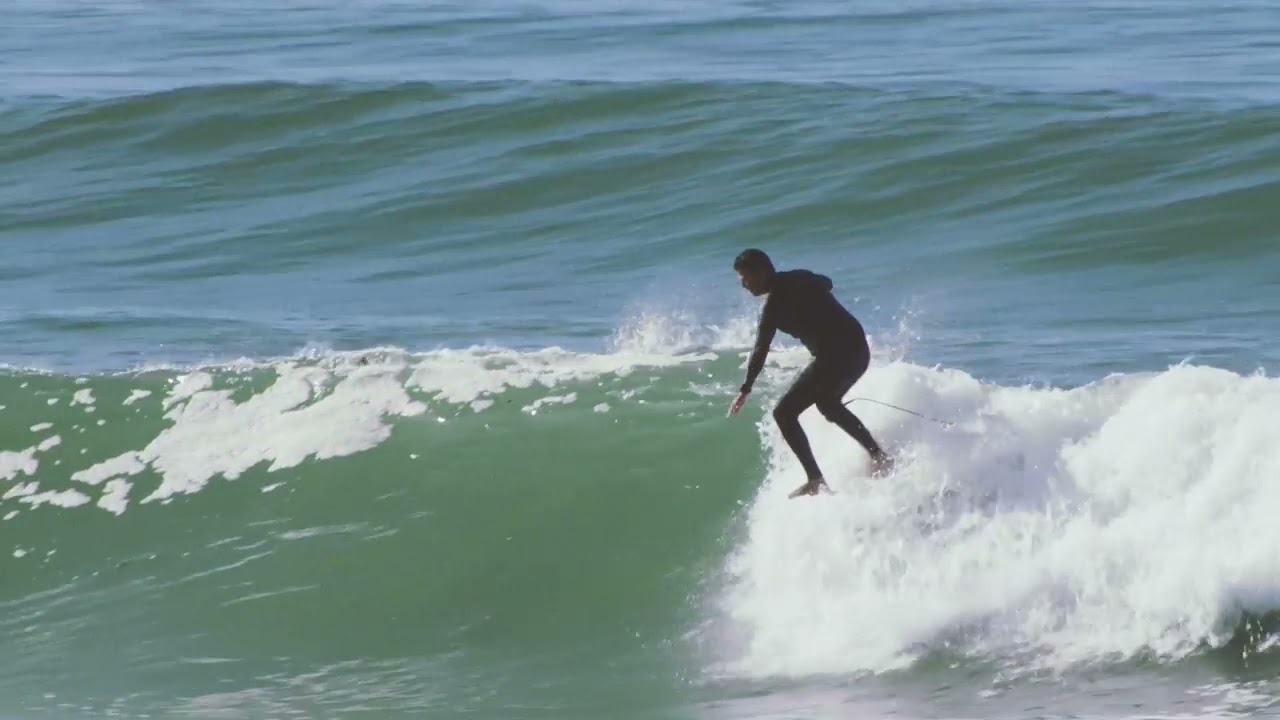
(833, 410)
(836, 379)
(802, 394)
(837, 413)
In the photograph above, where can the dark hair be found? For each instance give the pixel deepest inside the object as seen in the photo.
(753, 260)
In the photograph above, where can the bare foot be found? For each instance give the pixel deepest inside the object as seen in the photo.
(881, 464)
(810, 488)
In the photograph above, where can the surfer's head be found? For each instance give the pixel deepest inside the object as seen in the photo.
(756, 270)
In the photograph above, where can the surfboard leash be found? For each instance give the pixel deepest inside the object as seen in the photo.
(944, 423)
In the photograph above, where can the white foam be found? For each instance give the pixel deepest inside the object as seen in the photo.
(48, 443)
(21, 462)
(214, 435)
(334, 404)
(136, 395)
(537, 405)
(41, 427)
(187, 386)
(127, 464)
(1134, 514)
(324, 406)
(21, 490)
(61, 498)
(114, 498)
(83, 397)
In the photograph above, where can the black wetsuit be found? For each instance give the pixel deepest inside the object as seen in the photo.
(801, 304)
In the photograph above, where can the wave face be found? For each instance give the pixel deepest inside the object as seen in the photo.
(546, 515)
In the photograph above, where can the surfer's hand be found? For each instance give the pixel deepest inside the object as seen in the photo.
(737, 404)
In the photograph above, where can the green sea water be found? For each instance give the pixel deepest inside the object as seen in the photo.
(373, 360)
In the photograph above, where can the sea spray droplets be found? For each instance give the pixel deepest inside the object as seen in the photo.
(464, 376)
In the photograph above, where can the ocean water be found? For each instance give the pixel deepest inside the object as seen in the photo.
(371, 359)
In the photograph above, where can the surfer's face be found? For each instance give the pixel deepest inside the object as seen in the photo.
(755, 283)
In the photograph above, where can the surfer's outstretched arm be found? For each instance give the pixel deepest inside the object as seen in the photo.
(764, 338)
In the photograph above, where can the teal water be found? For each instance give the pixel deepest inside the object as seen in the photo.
(373, 359)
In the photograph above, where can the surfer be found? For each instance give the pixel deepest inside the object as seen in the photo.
(801, 304)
